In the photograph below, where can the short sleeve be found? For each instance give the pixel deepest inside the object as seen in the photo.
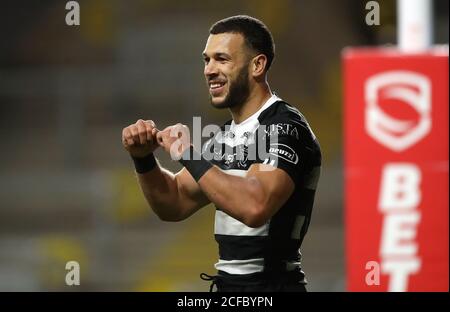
(283, 147)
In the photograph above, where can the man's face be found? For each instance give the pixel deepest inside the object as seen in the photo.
(226, 69)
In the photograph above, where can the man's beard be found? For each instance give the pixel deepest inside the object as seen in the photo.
(238, 92)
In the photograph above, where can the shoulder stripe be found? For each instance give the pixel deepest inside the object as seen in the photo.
(293, 110)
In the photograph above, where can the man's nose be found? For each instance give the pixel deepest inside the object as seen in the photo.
(210, 69)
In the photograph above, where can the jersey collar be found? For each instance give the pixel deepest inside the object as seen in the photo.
(274, 98)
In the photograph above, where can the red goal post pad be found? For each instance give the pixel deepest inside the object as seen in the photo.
(396, 152)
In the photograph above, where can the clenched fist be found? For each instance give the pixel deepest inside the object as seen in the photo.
(139, 139)
(175, 140)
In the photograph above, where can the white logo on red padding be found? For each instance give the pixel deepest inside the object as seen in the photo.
(409, 87)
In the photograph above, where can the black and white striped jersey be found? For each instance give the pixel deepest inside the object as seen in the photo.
(277, 135)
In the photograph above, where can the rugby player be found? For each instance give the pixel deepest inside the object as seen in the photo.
(263, 200)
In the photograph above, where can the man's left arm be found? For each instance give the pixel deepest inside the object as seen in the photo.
(252, 199)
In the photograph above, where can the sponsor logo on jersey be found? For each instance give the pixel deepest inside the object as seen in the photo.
(281, 129)
(284, 152)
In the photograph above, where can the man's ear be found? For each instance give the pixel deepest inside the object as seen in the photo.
(258, 63)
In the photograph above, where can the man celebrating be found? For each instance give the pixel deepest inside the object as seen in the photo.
(263, 200)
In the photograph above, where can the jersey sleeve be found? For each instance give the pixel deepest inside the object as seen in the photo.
(284, 148)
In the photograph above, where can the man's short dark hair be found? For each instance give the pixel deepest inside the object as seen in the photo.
(257, 36)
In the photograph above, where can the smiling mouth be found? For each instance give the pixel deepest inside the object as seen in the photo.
(217, 87)
(217, 84)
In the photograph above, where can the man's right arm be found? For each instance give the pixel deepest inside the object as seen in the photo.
(173, 197)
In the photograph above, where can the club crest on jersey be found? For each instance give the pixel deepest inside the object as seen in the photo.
(284, 152)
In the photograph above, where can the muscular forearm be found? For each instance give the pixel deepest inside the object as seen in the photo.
(161, 192)
(171, 196)
(240, 197)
